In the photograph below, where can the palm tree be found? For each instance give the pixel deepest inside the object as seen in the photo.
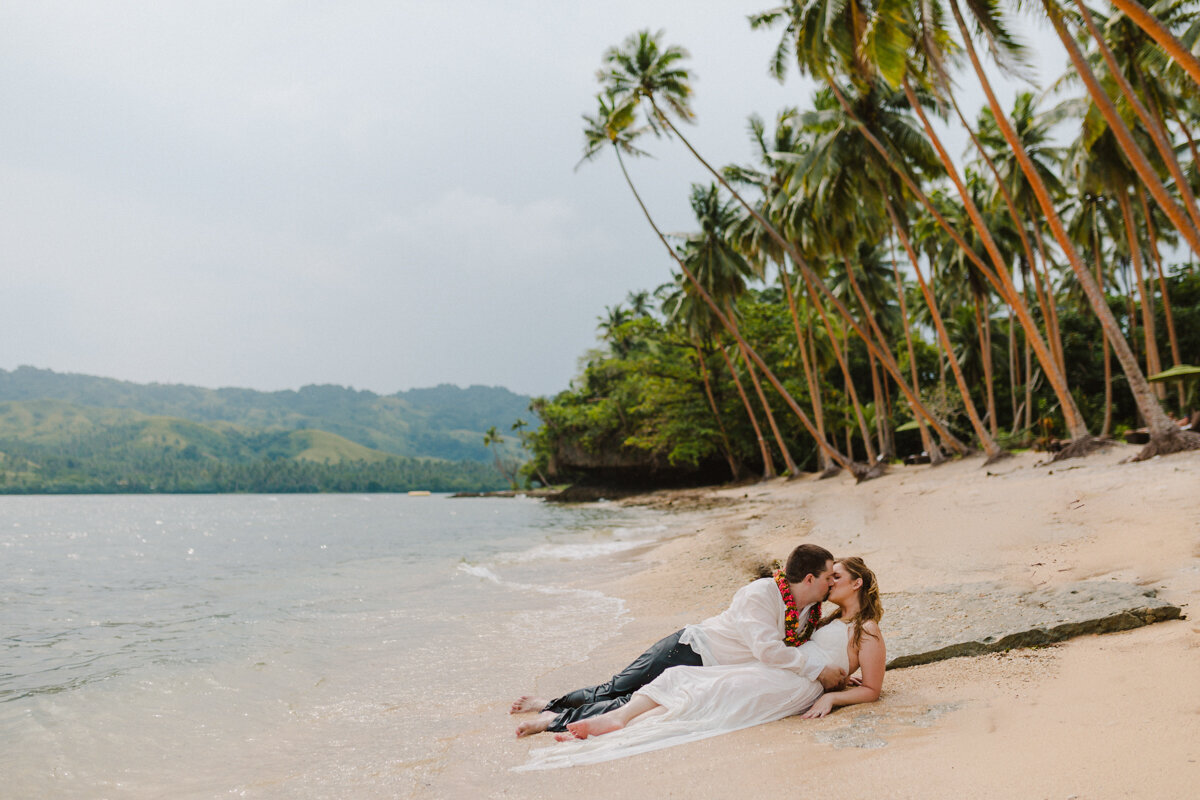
(1165, 436)
(614, 124)
(1157, 31)
(1034, 131)
(643, 71)
(1108, 109)
(519, 426)
(1090, 211)
(683, 309)
(492, 439)
(774, 180)
(992, 449)
(1132, 44)
(822, 42)
(859, 187)
(723, 271)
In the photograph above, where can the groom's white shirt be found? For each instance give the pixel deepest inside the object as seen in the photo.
(751, 629)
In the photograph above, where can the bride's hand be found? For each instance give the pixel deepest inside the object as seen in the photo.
(820, 708)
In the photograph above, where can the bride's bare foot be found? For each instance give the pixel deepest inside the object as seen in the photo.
(535, 725)
(527, 702)
(594, 726)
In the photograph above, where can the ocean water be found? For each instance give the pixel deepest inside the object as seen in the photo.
(292, 646)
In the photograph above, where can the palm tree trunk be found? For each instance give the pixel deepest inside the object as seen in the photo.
(1001, 280)
(870, 317)
(1029, 379)
(735, 470)
(862, 303)
(860, 472)
(1131, 307)
(1166, 40)
(1053, 335)
(1116, 124)
(814, 390)
(927, 443)
(790, 248)
(1151, 123)
(764, 449)
(990, 447)
(788, 463)
(1187, 134)
(1135, 256)
(880, 410)
(983, 326)
(1045, 288)
(1012, 364)
(1106, 425)
(1162, 287)
(849, 382)
(810, 343)
(1164, 435)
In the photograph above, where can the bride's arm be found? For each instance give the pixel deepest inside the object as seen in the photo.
(872, 657)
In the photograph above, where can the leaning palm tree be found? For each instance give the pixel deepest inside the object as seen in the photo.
(1161, 34)
(825, 37)
(643, 70)
(773, 177)
(1186, 226)
(1165, 436)
(869, 181)
(684, 310)
(724, 271)
(1125, 57)
(613, 126)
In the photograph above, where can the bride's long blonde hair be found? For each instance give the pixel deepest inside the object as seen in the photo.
(870, 606)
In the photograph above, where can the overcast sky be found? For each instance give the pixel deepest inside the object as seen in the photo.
(372, 194)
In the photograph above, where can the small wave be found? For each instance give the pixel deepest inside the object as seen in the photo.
(591, 595)
(574, 552)
(479, 572)
(621, 532)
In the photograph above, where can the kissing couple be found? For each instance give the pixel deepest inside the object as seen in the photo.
(769, 655)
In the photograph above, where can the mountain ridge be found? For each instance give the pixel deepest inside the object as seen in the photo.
(444, 422)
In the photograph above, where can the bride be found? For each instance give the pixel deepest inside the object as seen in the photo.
(689, 703)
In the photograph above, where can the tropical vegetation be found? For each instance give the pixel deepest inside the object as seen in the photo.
(63, 433)
(859, 293)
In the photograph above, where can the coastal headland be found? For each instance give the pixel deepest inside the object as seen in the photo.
(1112, 715)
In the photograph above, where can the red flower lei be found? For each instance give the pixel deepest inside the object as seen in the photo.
(792, 636)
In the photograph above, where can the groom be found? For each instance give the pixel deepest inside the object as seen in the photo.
(751, 629)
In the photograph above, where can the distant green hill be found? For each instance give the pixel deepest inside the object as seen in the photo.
(75, 433)
(442, 422)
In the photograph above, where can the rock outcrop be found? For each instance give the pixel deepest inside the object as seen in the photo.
(971, 619)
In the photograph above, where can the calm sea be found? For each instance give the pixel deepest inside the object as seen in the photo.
(293, 646)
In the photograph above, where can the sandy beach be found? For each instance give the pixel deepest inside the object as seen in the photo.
(1116, 715)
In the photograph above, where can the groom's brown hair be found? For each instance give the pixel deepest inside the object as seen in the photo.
(806, 559)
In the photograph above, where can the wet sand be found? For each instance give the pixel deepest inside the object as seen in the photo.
(1099, 716)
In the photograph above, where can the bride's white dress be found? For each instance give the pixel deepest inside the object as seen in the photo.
(700, 702)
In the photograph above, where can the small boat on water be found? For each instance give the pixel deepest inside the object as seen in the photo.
(419, 493)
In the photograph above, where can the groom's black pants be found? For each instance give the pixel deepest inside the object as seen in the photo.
(616, 691)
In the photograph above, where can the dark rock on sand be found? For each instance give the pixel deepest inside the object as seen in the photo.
(971, 619)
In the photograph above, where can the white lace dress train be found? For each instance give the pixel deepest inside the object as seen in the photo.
(699, 702)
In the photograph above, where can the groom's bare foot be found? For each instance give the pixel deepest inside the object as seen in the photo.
(535, 725)
(594, 726)
(527, 702)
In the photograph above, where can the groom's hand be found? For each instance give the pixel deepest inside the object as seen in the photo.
(832, 677)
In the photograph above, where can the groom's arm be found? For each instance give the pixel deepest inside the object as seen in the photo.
(757, 615)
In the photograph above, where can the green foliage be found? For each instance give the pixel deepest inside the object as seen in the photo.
(441, 422)
(54, 447)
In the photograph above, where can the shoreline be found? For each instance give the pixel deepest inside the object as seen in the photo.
(1096, 716)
